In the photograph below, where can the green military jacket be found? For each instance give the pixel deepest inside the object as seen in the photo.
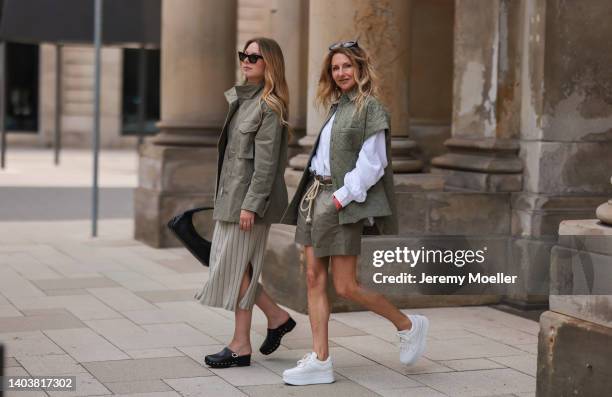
(349, 130)
(252, 158)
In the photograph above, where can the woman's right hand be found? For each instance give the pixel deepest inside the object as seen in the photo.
(247, 219)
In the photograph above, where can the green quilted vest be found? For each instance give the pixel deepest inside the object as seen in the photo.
(349, 130)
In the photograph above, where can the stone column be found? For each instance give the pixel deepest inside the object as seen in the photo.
(177, 168)
(485, 126)
(431, 76)
(382, 28)
(565, 129)
(604, 212)
(289, 27)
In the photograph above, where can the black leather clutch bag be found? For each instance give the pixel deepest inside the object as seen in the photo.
(182, 227)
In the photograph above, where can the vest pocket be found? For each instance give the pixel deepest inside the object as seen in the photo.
(348, 139)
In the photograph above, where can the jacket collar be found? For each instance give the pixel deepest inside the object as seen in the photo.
(243, 91)
(346, 96)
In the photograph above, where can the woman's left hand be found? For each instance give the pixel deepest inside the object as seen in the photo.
(247, 219)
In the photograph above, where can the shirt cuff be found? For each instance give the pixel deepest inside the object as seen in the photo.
(343, 196)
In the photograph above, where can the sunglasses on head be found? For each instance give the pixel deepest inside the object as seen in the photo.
(253, 58)
(344, 44)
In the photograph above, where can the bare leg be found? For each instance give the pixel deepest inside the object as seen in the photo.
(346, 285)
(275, 314)
(318, 304)
(241, 342)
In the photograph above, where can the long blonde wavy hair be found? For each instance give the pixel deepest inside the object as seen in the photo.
(364, 74)
(275, 92)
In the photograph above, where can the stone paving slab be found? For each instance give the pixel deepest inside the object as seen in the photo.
(471, 364)
(423, 366)
(53, 320)
(85, 345)
(175, 295)
(525, 363)
(71, 283)
(479, 383)
(340, 388)
(255, 374)
(209, 386)
(28, 343)
(86, 385)
(182, 265)
(411, 392)
(121, 316)
(475, 347)
(152, 394)
(10, 362)
(53, 364)
(66, 292)
(127, 335)
(154, 353)
(120, 299)
(8, 311)
(84, 307)
(377, 378)
(12, 285)
(146, 369)
(138, 386)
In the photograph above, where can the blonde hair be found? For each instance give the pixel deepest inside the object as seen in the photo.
(364, 74)
(275, 92)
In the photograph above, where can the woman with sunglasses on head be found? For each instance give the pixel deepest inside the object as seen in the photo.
(250, 195)
(348, 184)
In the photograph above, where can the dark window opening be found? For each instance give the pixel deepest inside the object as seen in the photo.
(133, 123)
(21, 87)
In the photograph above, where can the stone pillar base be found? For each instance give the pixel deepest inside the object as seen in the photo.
(530, 260)
(479, 181)
(573, 357)
(171, 180)
(489, 165)
(403, 152)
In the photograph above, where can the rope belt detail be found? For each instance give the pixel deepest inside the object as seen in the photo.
(310, 196)
(312, 192)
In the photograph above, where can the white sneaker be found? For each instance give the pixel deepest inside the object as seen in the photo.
(413, 340)
(309, 371)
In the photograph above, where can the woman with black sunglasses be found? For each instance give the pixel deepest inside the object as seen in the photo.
(250, 195)
(347, 184)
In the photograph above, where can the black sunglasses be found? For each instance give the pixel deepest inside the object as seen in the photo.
(344, 44)
(253, 58)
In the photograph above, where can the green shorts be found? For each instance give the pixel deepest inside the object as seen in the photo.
(324, 233)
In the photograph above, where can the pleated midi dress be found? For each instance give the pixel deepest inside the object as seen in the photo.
(232, 250)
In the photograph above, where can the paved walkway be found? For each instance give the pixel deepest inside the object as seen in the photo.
(120, 317)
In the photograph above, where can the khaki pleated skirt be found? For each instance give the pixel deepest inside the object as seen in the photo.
(231, 252)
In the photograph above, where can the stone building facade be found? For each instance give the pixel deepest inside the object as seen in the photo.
(502, 130)
(77, 96)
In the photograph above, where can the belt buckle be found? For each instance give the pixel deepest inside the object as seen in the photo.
(323, 180)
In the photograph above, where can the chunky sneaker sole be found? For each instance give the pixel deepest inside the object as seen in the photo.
(309, 379)
(423, 338)
(421, 328)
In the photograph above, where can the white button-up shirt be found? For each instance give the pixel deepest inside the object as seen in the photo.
(370, 166)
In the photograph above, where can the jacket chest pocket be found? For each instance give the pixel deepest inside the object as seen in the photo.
(246, 139)
(347, 139)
